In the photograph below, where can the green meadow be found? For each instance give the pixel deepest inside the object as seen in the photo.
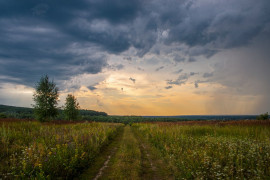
(34, 150)
(211, 152)
(95, 150)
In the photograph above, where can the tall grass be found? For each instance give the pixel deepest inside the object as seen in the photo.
(212, 152)
(33, 150)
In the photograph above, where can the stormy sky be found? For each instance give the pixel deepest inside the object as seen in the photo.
(139, 57)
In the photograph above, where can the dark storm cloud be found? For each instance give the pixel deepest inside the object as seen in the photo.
(196, 84)
(74, 87)
(159, 68)
(191, 59)
(91, 88)
(224, 23)
(168, 87)
(116, 67)
(182, 79)
(128, 58)
(140, 69)
(40, 9)
(51, 37)
(179, 71)
(178, 58)
(132, 79)
(192, 73)
(206, 75)
(66, 38)
(28, 51)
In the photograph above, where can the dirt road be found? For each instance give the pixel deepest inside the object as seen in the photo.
(129, 156)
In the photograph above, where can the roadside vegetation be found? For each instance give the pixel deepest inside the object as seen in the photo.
(46, 151)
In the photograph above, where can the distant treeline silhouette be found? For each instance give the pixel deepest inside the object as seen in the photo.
(28, 113)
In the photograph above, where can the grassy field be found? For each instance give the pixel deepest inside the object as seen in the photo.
(198, 151)
(182, 150)
(46, 151)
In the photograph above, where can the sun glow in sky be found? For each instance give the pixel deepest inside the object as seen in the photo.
(187, 57)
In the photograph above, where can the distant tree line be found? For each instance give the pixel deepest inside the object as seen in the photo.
(90, 115)
(16, 112)
(28, 113)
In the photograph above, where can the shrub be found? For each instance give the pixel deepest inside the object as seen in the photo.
(264, 116)
(2, 115)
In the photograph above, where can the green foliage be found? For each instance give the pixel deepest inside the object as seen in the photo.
(71, 109)
(264, 116)
(31, 150)
(45, 97)
(211, 152)
(17, 112)
(3, 115)
(88, 113)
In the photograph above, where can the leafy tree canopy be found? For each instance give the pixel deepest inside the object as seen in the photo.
(46, 99)
(72, 107)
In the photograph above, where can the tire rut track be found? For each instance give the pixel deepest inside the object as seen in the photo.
(100, 165)
(152, 167)
(105, 165)
(148, 169)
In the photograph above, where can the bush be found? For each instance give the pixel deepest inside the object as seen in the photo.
(264, 116)
(2, 115)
